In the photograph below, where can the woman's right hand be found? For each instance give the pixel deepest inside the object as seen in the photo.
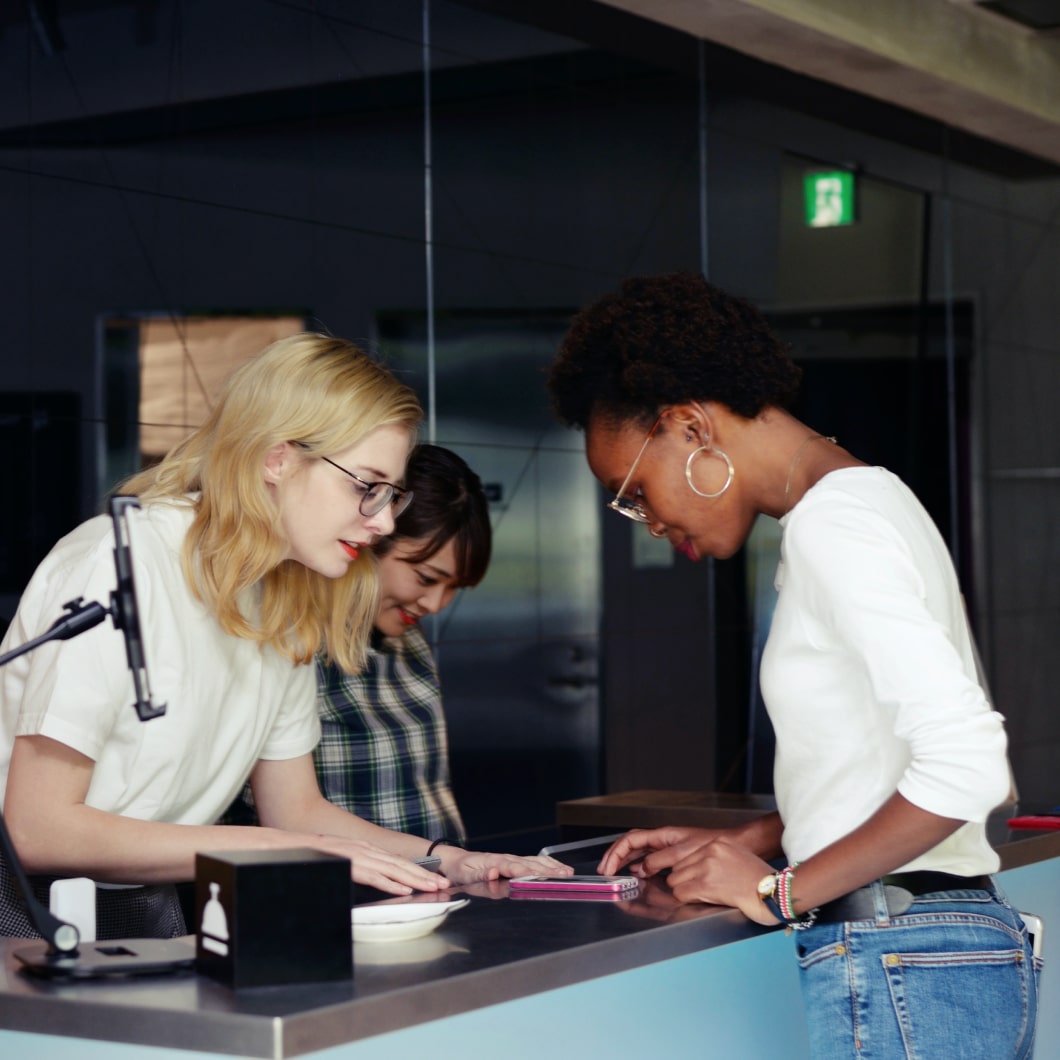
(658, 849)
(653, 850)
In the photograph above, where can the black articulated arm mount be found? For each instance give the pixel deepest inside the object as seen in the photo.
(124, 612)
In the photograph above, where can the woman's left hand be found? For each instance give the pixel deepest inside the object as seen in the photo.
(471, 866)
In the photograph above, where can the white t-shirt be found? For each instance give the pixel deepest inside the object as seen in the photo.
(869, 675)
(229, 701)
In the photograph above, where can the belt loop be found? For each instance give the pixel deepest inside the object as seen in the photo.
(879, 901)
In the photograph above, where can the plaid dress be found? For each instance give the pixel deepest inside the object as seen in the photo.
(383, 752)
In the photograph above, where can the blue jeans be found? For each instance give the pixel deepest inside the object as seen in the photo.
(952, 978)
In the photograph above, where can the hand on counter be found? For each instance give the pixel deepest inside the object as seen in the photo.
(657, 849)
(469, 866)
(711, 865)
(376, 867)
(290, 804)
(649, 851)
(723, 872)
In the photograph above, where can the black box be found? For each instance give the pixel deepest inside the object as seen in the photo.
(265, 918)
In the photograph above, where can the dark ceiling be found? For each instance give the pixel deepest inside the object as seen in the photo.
(620, 47)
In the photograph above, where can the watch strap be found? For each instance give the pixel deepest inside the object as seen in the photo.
(771, 904)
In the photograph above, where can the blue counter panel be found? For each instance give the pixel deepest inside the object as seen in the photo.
(698, 1006)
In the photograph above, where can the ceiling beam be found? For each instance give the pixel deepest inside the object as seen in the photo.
(944, 59)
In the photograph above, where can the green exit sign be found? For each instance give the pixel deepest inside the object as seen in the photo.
(829, 198)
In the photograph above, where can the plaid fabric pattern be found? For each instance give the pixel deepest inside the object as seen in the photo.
(383, 752)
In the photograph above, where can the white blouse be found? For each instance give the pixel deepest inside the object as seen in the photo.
(869, 675)
(229, 701)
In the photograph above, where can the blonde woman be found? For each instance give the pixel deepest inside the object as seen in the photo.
(248, 563)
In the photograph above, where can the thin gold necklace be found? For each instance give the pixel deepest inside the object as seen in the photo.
(795, 463)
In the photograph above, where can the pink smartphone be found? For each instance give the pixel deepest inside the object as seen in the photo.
(570, 895)
(598, 884)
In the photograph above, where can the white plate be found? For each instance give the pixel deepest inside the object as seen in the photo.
(391, 923)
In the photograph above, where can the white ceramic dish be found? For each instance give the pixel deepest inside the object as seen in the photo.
(393, 923)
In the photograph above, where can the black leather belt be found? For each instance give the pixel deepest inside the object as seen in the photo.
(899, 891)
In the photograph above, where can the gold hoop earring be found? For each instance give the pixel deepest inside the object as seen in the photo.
(714, 451)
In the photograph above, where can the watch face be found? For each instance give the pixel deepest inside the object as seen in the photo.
(767, 885)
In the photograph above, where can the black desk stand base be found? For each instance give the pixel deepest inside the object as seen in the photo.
(94, 960)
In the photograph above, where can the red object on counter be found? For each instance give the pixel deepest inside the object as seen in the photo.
(1036, 822)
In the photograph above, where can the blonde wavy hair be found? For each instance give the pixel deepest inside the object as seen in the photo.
(327, 395)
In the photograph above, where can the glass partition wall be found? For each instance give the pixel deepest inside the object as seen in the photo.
(554, 170)
(441, 183)
(446, 183)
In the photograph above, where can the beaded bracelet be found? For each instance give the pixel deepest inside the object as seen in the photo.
(785, 903)
(784, 893)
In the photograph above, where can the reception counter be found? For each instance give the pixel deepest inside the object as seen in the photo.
(515, 976)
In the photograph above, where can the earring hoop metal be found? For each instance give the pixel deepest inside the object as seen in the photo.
(714, 451)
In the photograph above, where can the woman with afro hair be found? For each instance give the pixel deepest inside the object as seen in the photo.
(889, 756)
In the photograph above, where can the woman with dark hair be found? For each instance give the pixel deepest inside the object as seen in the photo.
(889, 757)
(383, 754)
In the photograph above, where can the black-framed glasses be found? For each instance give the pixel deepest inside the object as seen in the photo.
(375, 496)
(626, 506)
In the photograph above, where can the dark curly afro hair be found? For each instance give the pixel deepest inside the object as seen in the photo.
(661, 340)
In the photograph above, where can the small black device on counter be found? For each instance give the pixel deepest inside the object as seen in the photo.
(266, 918)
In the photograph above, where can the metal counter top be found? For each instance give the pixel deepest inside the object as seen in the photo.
(496, 949)
(493, 950)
